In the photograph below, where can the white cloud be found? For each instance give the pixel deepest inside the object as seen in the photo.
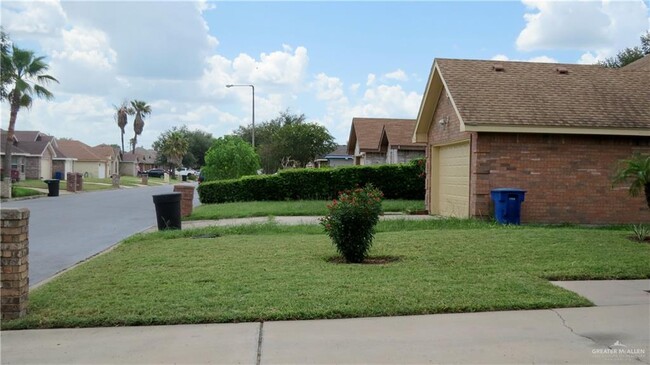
(500, 57)
(604, 26)
(540, 59)
(33, 18)
(398, 75)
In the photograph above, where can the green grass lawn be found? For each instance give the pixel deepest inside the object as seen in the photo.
(19, 192)
(93, 183)
(271, 272)
(286, 208)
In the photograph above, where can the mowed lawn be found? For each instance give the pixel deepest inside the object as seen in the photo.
(286, 208)
(271, 272)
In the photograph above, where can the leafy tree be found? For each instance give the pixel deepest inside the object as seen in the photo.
(27, 74)
(141, 109)
(230, 157)
(629, 55)
(288, 137)
(199, 143)
(635, 171)
(174, 147)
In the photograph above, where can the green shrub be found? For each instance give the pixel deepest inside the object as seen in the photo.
(641, 232)
(351, 221)
(400, 181)
(191, 177)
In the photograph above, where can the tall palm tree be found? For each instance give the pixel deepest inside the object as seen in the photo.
(27, 73)
(174, 147)
(121, 116)
(141, 110)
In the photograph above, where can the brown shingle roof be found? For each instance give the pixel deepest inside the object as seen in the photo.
(26, 143)
(78, 150)
(104, 150)
(536, 94)
(642, 64)
(398, 134)
(368, 132)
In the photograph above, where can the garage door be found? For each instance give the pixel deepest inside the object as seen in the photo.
(46, 168)
(101, 173)
(452, 180)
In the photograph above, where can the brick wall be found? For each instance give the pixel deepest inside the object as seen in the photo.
(372, 158)
(187, 198)
(32, 168)
(14, 248)
(567, 177)
(408, 155)
(58, 166)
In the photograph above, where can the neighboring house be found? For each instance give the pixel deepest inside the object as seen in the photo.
(130, 164)
(34, 154)
(557, 131)
(87, 162)
(146, 158)
(338, 157)
(112, 157)
(380, 140)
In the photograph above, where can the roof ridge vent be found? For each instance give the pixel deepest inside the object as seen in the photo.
(562, 70)
(498, 67)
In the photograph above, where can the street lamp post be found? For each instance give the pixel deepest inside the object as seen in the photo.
(253, 89)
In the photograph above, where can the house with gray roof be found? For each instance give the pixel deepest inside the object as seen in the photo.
(557, 131)
(36, 155)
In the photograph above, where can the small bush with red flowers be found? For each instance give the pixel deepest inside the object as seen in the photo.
(351, 221)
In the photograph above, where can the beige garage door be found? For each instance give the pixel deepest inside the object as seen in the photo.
(46, 168)
(453, 180)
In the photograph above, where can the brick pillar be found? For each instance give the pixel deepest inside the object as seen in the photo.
(80, 182)
(14, 247)
(187, 198)
(71, 182)
(145, 180)
(115, 179)
(6, 187)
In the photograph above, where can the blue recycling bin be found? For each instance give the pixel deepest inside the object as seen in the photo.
(58, 175)
(507, 204)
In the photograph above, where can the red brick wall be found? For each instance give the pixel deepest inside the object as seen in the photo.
(567, 177)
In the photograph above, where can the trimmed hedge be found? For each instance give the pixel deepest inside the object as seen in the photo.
(401, 181)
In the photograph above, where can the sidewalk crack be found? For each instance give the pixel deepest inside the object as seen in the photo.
(571, 329)
(259, 343)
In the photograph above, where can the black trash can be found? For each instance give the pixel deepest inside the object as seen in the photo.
(168, 211)
(184, 178)
(52, 187)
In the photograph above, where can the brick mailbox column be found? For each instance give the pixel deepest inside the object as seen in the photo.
(145, 180)
(71, 182)
(14, 247)
(187, 198)
(80, 182)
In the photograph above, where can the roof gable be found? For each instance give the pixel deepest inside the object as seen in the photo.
(539, 97)
(367, 132)
(79, 150)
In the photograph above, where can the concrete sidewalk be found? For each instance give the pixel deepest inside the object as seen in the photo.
(616, 332)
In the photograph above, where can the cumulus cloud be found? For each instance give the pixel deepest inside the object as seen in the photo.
(603, 26)
(398, 75)
(540, 59)
(27, 19)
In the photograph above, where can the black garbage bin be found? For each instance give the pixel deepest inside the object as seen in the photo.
(184, 178)
(52, 187)
(168, 210)
(507, 205)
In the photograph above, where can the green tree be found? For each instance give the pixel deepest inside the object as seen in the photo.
(5, 65)
(199, 143)
(629, 55)
(174, 147)
(288, 137)
(636, 172)
(27, 75)
(230, 157)
(141, 110)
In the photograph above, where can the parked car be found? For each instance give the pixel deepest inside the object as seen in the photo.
(186, 171)
(156, 173)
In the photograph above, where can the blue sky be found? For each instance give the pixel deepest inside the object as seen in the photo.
(330, 60)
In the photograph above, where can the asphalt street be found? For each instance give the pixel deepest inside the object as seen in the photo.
(67, 229)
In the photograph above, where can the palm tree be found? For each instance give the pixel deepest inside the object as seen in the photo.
(636, 170)
(121, 116)
(27, 73)
(141, 110)
(174, 147)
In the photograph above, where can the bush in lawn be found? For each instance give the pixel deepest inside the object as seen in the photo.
(351, 221)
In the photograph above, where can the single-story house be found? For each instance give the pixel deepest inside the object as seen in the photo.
(336, 158)
(382, 140)
(146, 158)
(129, 164)
(35, 155)
(112, 157)
(557, 131)
(87, 162)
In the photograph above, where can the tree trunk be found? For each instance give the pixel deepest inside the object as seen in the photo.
(9, 143)
(135, 141)
(123, 141)
(647, 194)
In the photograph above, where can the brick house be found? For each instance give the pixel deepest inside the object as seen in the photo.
(87, 161)
(35, 155)
(555, 130)
(380, 141)
(112, 157)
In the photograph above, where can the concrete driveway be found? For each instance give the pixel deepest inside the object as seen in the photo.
(67, 229)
